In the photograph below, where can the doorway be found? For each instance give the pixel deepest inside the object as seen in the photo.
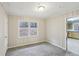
(72, 30)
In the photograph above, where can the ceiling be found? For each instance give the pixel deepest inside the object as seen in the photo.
(28, 8)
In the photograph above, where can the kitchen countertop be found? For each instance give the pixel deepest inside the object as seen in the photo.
(72, 30)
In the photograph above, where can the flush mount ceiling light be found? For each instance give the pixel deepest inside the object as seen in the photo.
(41, 8)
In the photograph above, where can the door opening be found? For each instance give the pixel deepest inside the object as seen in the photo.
(72, 31)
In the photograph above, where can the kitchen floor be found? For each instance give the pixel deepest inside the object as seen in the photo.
(41, 49)
(73, 45)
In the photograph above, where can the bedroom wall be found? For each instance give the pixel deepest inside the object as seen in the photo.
(3, 31)
(15, 41)
(56, 31)
(56, 28)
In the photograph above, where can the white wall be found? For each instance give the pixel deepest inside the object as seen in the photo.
(3, 32)
(56, 31)
(14, 41)
(52, 30)
(56, 28)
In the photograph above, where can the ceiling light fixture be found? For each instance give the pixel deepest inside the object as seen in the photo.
(41, 8)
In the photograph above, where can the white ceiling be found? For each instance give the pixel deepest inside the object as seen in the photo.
(28, 8)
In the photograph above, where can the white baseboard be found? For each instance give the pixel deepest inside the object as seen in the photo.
(6, 51)
(57, 45)
(25, 44)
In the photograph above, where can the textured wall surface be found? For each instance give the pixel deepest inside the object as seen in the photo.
(56, 28)
(14, 40)
(3, 32)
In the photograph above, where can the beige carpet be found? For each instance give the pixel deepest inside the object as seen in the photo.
(42, 49)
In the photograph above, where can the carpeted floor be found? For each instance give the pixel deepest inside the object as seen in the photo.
(42, 49)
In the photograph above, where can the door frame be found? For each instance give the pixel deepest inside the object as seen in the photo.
(66, 34)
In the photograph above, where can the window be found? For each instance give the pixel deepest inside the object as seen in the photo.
(23, 29)
(33, 25)
(76, 26)
(27, 29)
(33, 28)
(23, 24)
